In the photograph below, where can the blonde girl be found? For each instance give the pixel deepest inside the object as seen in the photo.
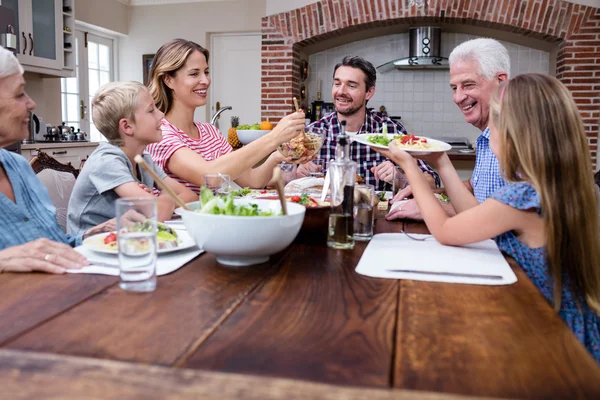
(546, 218)
(178, 82)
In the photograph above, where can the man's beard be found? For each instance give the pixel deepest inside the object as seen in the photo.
(349, 111)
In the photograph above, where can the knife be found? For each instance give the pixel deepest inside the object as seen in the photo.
(455, 274)
(97, 263)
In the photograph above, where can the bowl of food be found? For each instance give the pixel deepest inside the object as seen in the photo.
(244, 231)
(246, 136)
(316, 219)
(249, 133)
(305, 144)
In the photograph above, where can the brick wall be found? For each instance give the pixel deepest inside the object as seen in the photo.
(574, 28)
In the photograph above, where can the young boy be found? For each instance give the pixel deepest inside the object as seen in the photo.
(124, 112)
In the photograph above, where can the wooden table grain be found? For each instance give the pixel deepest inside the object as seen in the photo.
(304, 318)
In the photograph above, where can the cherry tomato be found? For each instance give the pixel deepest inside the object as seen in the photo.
(295, 199)
(111, 237)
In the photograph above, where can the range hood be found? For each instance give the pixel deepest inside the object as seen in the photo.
(424, 51)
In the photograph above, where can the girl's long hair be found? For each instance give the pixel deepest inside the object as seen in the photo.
(168, 59)
(542, 141)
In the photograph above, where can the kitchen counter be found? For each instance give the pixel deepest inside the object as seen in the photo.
(55, 145)
(456, 155)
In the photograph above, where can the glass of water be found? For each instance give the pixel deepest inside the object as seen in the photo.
(218, 183)
(320, 165)
(136, 235)
(364, 215)
(399, 182)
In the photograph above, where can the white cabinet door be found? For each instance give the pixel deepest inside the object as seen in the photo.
(40, 33)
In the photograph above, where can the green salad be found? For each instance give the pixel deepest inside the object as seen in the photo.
(211, 204)
(164, 232)
(383, 140)
(241, 192)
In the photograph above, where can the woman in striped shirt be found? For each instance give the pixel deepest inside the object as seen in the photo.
(179, 81)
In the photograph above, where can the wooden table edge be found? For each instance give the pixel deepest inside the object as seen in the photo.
(25, 375)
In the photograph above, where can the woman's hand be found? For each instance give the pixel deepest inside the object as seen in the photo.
(289, 127)
(41, 255)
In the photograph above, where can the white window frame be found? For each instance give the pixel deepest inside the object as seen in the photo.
(84, 33)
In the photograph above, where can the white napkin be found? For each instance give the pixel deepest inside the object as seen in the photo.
(431, 261)
(108, 264)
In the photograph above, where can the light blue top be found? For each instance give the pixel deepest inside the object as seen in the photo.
(584, 323)
(93, 199)
(32, 215)
(487, 177)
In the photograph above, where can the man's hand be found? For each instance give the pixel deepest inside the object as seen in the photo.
(384, 171)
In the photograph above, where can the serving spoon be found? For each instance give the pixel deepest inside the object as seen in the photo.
(159, 182)
(278, 179)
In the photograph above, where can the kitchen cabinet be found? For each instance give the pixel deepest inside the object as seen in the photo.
(42, 29)
(73, 152)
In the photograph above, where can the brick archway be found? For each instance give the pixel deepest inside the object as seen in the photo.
(574, 28)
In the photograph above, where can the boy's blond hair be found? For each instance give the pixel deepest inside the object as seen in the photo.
(114, 101)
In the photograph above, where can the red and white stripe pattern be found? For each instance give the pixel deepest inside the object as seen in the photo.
(210, 145)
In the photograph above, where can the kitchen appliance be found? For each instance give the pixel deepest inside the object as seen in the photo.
(424, 51)
(457, 143)
(33, 127)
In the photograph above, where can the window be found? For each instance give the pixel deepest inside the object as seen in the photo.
(94, 68)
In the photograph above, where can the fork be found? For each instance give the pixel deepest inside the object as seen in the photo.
(413, 237)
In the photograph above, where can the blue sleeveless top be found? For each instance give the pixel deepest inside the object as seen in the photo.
(582, 321)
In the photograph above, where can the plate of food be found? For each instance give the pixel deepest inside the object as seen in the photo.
(167, 238)
(410, 143)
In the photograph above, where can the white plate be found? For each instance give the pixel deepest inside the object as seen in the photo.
(439, 145)
(96, 243)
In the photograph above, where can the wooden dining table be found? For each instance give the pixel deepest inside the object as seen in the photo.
(303, 325)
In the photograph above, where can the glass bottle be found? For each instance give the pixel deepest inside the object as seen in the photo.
(342, 177)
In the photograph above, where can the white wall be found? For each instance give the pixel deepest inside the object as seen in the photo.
(279, 6)
(421, 97)
(152, 26)
(108, 14)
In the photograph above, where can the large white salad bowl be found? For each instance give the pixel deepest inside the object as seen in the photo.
(241, 241)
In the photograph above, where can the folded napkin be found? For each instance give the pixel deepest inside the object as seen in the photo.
(396, 256)
(108, 264)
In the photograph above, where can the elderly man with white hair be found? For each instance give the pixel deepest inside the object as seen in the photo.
(30, 237)
(477, 67)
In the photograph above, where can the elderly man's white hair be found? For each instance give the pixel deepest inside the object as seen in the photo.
(491, 56)
(9, 65)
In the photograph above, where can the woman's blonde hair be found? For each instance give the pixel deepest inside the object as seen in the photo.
(542, 141)
(114, 101)
(168, 60)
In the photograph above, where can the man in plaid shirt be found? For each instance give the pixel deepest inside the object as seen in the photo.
(353, 86)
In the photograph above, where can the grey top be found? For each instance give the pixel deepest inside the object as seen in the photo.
(93, 199)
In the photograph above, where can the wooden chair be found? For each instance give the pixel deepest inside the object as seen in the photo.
(59, 179)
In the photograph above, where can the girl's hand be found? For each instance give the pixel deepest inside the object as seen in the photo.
(400, 156)
(41, 255)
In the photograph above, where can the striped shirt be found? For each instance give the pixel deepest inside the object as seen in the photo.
(32, 216)
(363, 155)
(210, 145)
(487, 177)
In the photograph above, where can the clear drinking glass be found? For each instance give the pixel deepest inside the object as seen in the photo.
(218, 183)
(136, 233)
(399, 182)
(364, 215)
(321, 165)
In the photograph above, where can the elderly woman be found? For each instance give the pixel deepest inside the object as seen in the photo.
(30, 237)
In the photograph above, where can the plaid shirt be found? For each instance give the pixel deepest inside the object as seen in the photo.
(487, 177)
(363, 155)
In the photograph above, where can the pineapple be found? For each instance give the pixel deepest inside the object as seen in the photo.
(232, 134)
